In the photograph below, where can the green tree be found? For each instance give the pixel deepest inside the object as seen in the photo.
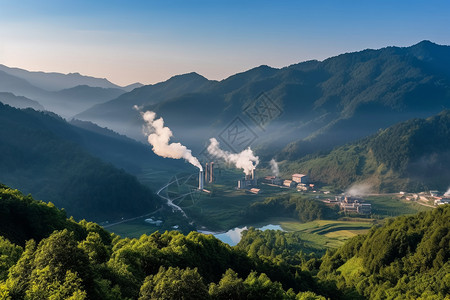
(262, 288)
(9, 255)
(230, 287)
(174, 284)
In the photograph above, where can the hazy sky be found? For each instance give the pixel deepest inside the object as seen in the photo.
(150, 41)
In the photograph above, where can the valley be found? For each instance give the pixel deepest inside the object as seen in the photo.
(321, 179)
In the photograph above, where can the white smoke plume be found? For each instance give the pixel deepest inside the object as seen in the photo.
(359, 189)
(447, 193)
(159, 137)
(244, 160)
(274, 167)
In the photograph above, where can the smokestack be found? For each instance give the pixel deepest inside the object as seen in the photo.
(200, 180)
(211, 172)
(253, 174)
(206, 172)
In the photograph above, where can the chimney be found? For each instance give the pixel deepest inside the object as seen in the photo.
(206, 172)
(253, 174)
(200, 180)
(211, 172)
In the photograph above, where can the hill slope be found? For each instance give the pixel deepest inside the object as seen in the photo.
(412, 155)
(408, 258)
(41, 154)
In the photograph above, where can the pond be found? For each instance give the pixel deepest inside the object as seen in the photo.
(233, 236)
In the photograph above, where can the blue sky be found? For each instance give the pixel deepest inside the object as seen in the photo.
(150, 41)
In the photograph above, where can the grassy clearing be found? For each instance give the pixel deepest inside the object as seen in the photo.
(133, 229)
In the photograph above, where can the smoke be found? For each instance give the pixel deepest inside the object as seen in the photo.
(159, 137)
(274, 167)
(359, 189)
(447, 193)
(244, 160)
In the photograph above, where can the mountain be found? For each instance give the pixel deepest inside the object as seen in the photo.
(63, 94)
(409, 156)
(69, 102)
(57, 81)
(19, 101)
(130, 87)
(119, 115)
(42, 154)
(65, 102)
(19, 86)
(120, 150)
(308, 106)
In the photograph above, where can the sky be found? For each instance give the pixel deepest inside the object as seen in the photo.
(150, 41)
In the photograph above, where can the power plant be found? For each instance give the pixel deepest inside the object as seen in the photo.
(248, 181)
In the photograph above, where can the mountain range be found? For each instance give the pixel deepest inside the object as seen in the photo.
(297, 114)
(64, 94)
(313, 105)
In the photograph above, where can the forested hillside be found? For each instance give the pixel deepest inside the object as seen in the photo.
(407, 258)
(411, 156)
(51, 257)
(39, 154)
(81, 261)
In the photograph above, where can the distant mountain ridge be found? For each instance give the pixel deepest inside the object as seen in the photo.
(57, 81)
(19, 101)
(323, 104)
(64, 94)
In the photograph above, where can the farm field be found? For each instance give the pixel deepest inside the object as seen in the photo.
(328, 233)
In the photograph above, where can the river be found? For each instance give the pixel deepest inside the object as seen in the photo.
(233, 236)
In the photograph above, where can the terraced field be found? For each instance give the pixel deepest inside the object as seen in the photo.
(328, 233)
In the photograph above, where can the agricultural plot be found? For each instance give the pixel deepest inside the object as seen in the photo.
(328, 233)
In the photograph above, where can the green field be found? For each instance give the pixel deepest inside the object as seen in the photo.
(391, 206)
(328, 233)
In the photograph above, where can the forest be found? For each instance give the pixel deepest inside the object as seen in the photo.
(45, 255)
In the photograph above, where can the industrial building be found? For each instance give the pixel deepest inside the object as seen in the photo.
(302, 187)
(300, 178)
(350, 204)
(248, 181)
(273, 180)
(289, 183)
